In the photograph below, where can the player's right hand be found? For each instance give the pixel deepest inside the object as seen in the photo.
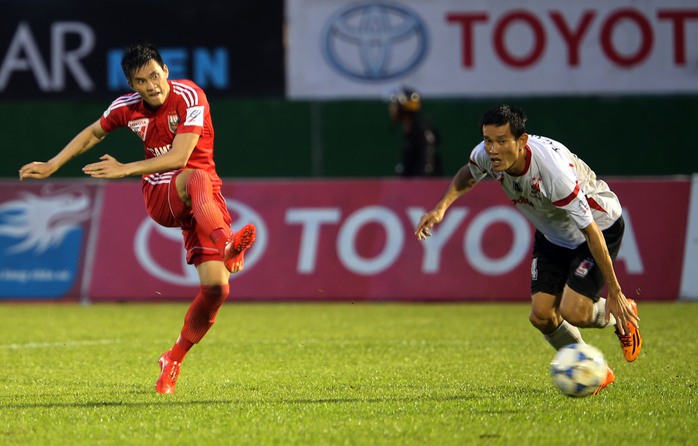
(36, 170)
(427, 222)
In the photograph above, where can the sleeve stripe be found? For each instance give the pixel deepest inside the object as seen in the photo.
(595, 205)
(189, 94)
(124, 101)
(568, 199)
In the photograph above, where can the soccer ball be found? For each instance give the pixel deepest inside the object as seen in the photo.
(578, 369)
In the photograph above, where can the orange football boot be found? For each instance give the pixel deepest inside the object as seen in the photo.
(235, 249)
(631, 341)
(170, 372)
(610, 378)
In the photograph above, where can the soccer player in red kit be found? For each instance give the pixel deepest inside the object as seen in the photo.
(180, 184)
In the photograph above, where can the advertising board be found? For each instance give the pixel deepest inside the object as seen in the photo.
(354, 240)
(481, 48)
(64, 50)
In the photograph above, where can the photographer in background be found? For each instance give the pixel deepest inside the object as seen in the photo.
(420, 144)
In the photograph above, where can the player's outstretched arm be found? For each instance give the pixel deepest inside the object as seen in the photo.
(616, 303)
(81, 143)
(176, 158)
(462, 182)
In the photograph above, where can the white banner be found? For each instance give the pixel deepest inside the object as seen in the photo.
(689, 285)
(478, 48)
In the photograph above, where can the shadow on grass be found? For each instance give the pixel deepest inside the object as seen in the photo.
(167, 400)
(479, 394)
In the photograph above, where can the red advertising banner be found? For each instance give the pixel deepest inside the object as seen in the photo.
(354, 240)
(651, 255)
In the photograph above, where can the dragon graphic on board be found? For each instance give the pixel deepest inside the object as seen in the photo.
(42, 221)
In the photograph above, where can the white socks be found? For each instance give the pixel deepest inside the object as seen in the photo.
(565, 334)
(598, 319)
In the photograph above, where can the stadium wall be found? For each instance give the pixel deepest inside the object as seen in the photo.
(263, 138)
(321, 240)
(295, 94)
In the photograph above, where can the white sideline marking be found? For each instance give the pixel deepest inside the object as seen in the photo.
(59, 344)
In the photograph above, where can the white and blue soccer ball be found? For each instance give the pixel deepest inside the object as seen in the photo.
(578, 369)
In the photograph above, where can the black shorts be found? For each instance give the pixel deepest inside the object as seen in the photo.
(554, 266)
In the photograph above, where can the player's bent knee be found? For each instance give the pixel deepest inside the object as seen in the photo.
(215, 294)
(544, 314)
(574, 318)
(544, 317)
(577, 309)
(543, 321)
(575, 315)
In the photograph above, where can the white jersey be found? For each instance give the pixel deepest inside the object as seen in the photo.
(557, 191)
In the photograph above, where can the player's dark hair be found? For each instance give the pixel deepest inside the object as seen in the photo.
(138, 56)
(506, 114)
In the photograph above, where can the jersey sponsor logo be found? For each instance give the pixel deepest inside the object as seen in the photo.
(584, 268)
(139, 127)
(195, 116)
(522, 200)
(583, 206)
(173, 122)
(157, 151)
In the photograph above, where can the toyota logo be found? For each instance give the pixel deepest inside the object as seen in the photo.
(375, 41)
(178, 272)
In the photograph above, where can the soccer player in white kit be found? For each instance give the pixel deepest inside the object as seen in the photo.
(579, 228)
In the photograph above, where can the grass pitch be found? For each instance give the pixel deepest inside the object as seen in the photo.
(334, 374)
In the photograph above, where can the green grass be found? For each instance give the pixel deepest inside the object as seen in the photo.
(334, 374)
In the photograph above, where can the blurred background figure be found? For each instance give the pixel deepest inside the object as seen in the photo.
(420, 143)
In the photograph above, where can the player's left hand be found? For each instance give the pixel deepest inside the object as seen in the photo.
(618, 306)
(108, 167)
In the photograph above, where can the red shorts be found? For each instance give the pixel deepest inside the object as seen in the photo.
(164, 205)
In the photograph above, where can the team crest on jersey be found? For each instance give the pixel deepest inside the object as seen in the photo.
(535, 187)
(173, 121)
(139, 127)
(583, 268)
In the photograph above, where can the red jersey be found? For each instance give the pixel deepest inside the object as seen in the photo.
(186, 110)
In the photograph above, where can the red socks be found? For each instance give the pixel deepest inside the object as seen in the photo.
(199, 319)
(180, 349)
(202, 311)
(206, 211)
